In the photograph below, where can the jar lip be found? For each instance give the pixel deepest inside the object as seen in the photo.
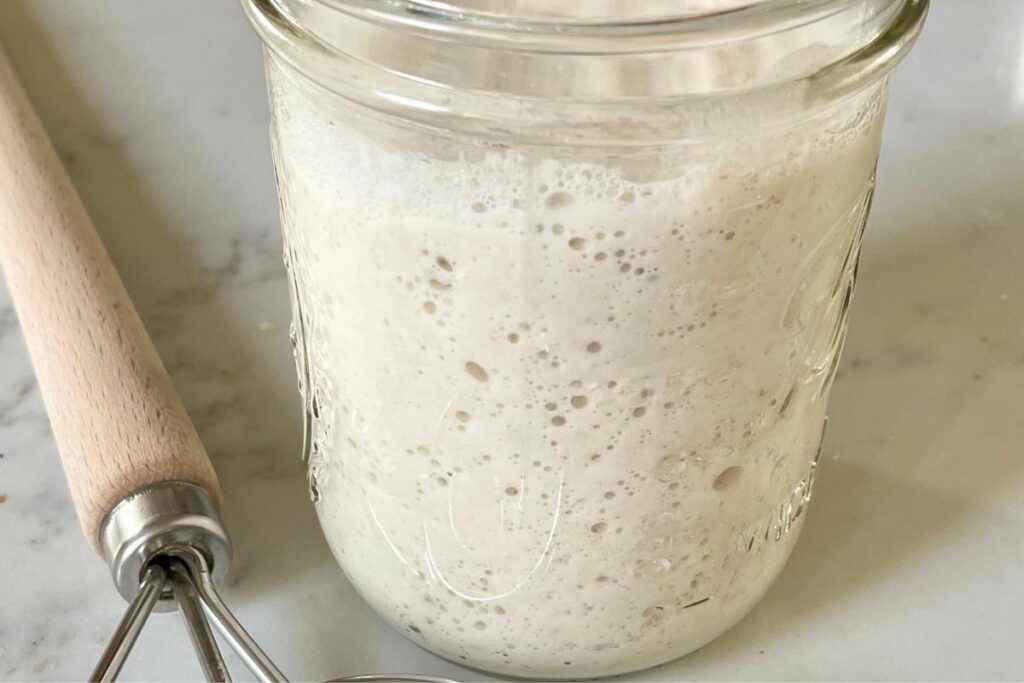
(582, 33)
(329, 48)
(591, 15)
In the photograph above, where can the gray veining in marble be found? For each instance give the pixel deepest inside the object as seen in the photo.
(910, 565)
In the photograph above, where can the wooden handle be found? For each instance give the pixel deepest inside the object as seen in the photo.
(118, 423)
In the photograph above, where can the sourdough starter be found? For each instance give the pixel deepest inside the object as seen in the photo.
(565, 409)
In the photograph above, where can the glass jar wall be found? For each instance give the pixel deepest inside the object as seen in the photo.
(570, 287)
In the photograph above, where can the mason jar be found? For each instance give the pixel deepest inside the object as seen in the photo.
(570, 283)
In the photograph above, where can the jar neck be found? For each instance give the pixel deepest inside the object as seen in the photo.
(485, 72)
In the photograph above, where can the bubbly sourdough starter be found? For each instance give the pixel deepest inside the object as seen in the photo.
(565, 414)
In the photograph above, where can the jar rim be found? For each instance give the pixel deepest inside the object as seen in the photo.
(638, 15)
(582, 34)
(571, 117)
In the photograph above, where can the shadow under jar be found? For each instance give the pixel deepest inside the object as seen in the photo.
(570, 282)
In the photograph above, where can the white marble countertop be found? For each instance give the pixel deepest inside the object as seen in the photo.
(912, 561)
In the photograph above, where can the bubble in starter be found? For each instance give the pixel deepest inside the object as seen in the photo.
(653, 615)
(663, 523)
(653, 543)
(651, 569)
(476, 371)
(728, 478)
(558, 199)
(670, 468)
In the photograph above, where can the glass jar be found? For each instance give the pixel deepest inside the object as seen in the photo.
(570, 283)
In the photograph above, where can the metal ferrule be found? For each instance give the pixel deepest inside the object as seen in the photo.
(154, 519)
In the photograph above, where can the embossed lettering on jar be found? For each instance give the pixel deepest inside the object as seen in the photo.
(570, 283)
